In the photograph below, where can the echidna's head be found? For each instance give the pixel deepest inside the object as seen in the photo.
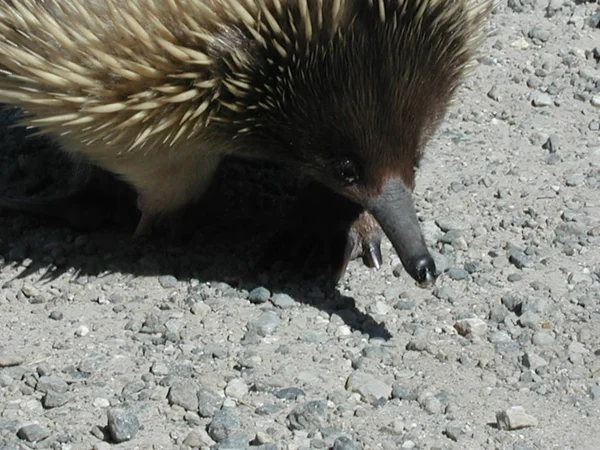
(349, 92)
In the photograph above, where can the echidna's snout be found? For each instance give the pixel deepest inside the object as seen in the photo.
(394, 210)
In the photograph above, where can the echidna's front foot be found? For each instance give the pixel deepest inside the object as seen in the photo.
(325, 232)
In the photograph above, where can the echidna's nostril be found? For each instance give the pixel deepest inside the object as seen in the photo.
(422, 269)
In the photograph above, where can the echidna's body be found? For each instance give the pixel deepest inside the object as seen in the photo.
(158, 91)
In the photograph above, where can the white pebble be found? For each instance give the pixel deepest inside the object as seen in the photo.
(82, 331)
(236, 388)
(100, 402)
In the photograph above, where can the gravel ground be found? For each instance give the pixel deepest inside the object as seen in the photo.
(109, 343)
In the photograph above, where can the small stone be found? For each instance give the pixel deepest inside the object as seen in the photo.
(133, 387)
(56, 315)
(404, 393)
(580, 277)
(515, 418)
(307, 416)
(223, 425)
(123, 424)
(101, 446)
(577, 347)
(198, 438)
(183, 393)
(533, 361)
(283, 301)
(33, 433)
(430, 403)
(100, 402)
(595, 101)
(259, 295)
(159, 368)
(494, 94)
(236, 388)
(30, 290)
(208, 403)
(345, 443)
(167, 281)
(539, 99)
(51, 383)
(200, 309)
(265, 324)
(267, 410)
(542, 338)
(594, 391)
(9, 360)
(474, 327)
(519, 259)
(370, 388)
(458, 273)
(453, 432)
(379, 308)
(54, 400)
(575, 180)
(82, 330)
(552, 143)
(291, 393)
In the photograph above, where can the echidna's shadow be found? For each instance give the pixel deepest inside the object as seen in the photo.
(246, 207)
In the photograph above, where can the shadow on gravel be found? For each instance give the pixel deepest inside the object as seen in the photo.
(244, 209)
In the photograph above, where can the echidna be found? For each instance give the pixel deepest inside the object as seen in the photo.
(159, 91)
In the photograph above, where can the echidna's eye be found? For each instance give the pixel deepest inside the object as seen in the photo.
(348, 172)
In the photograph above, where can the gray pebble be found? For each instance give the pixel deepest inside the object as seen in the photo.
(283, 301)
(265, 324)
(539, 34)
(445, 293)
(56, 315)
(183, 393)
(474, 327)
(539, 99)
(267, 410)
(575, 180)
(123, 424)
(33, 433)
(404, 393)
(552, 144)
(371, 389)
(259, 295)
(54, 399)
(198, 438)
(542, 338)
(519, 259)
(344, 443)
(51, 383)
(430, 403)
(594, 391)
(405, 305)
(133, 387)
(307, 416)
(377, 353)
(159, 368)
(494, 94)
(236, 388)
(533, 361)
(223, 425)
(291, 393)
(454, 432)
(9, 360)
(457, 273)
(530, 319)
(208, 403)
(167, 281)
(515, 418)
